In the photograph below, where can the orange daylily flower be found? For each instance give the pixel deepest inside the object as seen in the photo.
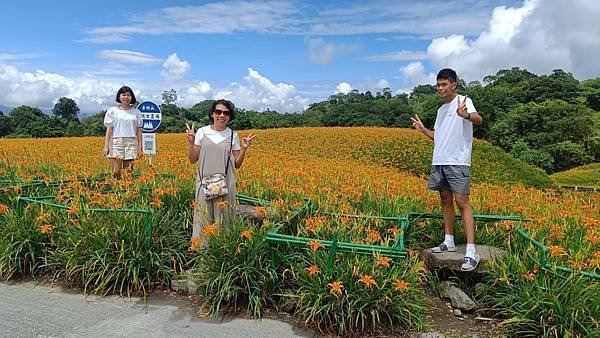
(315, 245)
(246, 233)
(3, 209)
(529, 275)
(196, 243)
(210, 229)
(336, 287)
(194, 204)
(313, 270)
(72, 210)
(157, 202)
(260, 211)
(367, 280)
(400, 285)
(382, 261)
(557, 251)
(46, 228)
(222, 204)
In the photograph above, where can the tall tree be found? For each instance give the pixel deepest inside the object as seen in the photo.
(66, 108)
(169, 96)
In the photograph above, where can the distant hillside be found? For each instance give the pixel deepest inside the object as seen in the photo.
(584, 176)
(404, 149)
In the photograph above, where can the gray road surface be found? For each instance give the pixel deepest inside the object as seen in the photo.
(31, 310)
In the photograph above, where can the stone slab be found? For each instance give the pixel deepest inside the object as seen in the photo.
(453, 260)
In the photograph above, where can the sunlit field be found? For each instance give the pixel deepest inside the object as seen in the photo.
(359, 171)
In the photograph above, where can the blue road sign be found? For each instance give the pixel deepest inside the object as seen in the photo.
(151, 116)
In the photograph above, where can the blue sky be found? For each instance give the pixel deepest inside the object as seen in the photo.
(278, 55)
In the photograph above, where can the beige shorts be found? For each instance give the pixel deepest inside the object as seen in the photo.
(124, 148)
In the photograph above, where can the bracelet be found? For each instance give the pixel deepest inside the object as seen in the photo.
(468, 116)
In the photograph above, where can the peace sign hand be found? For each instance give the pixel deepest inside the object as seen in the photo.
(190, 133)
(246, 141)
(461, 110)
(417, 124)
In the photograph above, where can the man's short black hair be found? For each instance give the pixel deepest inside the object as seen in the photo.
(126, 89)
(447, 74)
(230, 106)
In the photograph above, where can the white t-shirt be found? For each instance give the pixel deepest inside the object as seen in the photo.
(453, 135)
(124, 122)
(217, 136)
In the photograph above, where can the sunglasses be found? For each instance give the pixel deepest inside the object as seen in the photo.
(223, 112)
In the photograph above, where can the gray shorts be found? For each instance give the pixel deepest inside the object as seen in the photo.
(456, 178)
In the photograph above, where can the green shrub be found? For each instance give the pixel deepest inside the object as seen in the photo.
(110, 252)
(233, 271)
(541, 304)
(369, 298)
(23, 247)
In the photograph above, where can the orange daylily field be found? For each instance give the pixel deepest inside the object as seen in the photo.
(373, 171)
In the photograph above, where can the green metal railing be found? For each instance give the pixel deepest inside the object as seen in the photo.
(544, 263)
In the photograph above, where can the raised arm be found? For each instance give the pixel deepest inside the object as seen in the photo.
(418, 125)
(240, 154)
(193, 150)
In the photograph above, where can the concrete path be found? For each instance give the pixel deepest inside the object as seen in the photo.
(31, 310)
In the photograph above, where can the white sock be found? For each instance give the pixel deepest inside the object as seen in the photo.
(471, 251)
(449, 240)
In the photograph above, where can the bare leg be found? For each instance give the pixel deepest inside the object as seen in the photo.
(448, 211)
(466, 211)
(128, 166)
(117, 164)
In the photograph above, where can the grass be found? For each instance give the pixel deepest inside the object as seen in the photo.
(584, 176)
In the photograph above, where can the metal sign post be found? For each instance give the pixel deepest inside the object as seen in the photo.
(151, 117)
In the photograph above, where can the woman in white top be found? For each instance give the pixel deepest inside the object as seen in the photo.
(123, 138)
(218, 150)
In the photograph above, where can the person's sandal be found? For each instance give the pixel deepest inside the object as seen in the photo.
(443, 248)
(470, 263)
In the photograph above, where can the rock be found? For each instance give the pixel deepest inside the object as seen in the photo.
(184, 284)
(457, 312)
(432, 335)
(251, 213)
(453, 260)
(458, 298)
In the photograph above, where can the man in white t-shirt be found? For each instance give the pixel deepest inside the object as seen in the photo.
(451, 165)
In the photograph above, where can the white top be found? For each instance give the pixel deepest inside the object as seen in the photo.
(124, 122)
(453, 135)
(217, 136)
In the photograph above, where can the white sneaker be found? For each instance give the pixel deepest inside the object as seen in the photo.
(470, 263)
(443, 248)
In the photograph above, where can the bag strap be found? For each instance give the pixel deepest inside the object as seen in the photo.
(229, 153)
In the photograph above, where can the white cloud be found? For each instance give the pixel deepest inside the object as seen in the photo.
(43, 89)
(128, 56)
(403, 55)
(540, 36)
(201, 91)
(216, 17)
(425, 19)
(260, 93)
(414, 74)
(174, 68)
(343, 87)
(322, 52)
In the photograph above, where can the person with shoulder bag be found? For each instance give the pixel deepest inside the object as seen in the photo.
(219, 152)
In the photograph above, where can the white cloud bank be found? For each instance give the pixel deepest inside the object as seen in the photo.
(174, 68)
(540, 36)
(43, 89)
(322, 52)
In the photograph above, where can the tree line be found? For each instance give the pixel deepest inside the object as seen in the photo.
(550, 121)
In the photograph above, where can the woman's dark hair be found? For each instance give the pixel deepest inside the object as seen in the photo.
(447, 74)
(126, 89)
(230, 106)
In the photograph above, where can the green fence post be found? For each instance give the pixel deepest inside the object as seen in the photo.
(332, 249)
